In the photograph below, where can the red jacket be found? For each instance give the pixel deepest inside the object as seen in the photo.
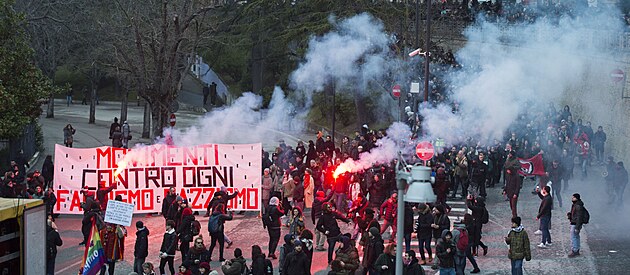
(390, 210)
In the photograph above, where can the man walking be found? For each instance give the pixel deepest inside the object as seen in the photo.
(544, 215)
(327, 224)
(512, 181)
(576, 218)
(518, 241)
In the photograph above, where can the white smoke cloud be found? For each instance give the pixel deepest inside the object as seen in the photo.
(353, 54)
(517, 68)
(397, 140)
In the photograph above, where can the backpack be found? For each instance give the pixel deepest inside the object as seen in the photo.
(213, 224)
(195, 227)
(485, 216)
(268, 267)
(585, 215)
(462, 242)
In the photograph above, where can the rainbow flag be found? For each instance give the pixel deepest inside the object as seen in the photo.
(94, 256)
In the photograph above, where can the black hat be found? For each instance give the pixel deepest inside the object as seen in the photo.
(139, 224)
(577, 196)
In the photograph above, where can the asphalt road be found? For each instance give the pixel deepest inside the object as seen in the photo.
(605, 240)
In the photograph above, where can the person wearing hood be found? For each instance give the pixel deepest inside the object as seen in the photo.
(363, 224)
(518, 240)
(236, 265)
(329, 226)
(204, 269)
(285, 249)
(296, 221)
(423, 232)
(373, 248)
(184, 231)
(316, 213)
(197, 255)
(296, 262)
(184, 270)
(216, 229)
(576, 218)
(48, 171)
(386, 262)
(440, 223)
(271, 221)
(141, 248)
(445, 251)
(411, 265)
(348, 255)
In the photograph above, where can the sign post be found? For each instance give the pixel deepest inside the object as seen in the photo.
(396, 90)
(617, 75)
(424, 151)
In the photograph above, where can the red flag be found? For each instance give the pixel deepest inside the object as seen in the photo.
(532, 166)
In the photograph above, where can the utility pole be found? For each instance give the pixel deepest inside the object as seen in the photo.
(427, 50)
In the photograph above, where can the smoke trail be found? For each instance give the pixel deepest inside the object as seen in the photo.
(397, 140)
(518, 69)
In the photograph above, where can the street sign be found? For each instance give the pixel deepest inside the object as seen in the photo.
(172, 120)
(396, 90)
(415, 88)
(617, 75)
(424, 150)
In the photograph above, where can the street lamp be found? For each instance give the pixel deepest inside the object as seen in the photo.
(416, 181)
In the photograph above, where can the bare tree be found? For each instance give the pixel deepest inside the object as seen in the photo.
(51, 27)
(153, 42)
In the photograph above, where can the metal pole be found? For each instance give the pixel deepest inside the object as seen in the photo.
(427, 50)
(400, 223)
(417, 24)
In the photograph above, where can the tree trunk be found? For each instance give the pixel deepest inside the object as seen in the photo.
(92, 119)
(362, 114)
(125, 103)
(50, 111)
(159, 118)
(146, 124)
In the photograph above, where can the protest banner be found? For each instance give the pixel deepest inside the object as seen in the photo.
(144, 175)
(118, 212)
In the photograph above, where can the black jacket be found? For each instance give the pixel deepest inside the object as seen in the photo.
(184, 231)
(166, 204)
(296, 263)
(328, 222)
(447, 259)
(201, 255)
(141, 249)
(169, 243)
(477, 210)
(576, 214)
(423, 225)
(259, 266)
(373, 249)
(272, 217)
(413, 268)
(316, 211)
(444, 222)
(545, 206)
(52, 241)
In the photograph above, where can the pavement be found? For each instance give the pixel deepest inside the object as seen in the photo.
(605, 241)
